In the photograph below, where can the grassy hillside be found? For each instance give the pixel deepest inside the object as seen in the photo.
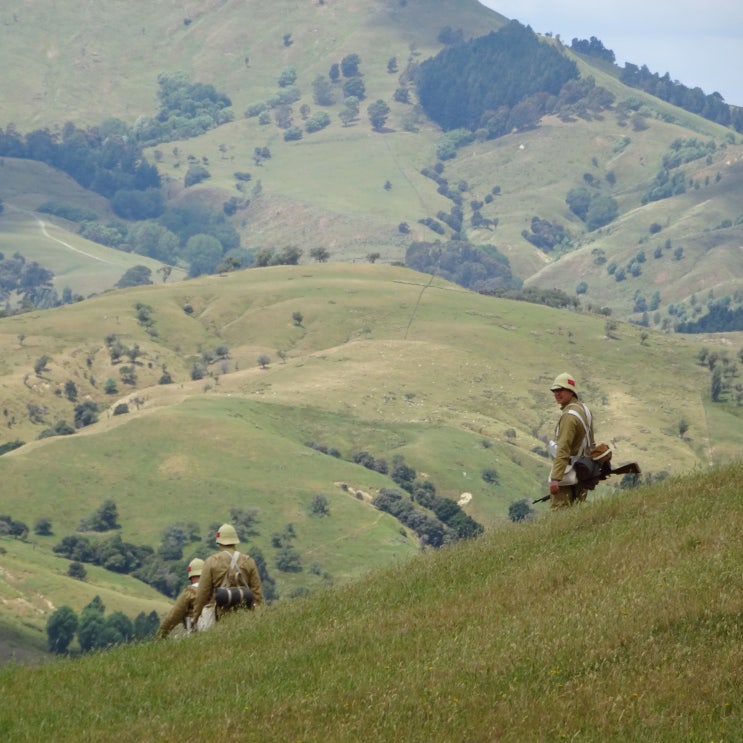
(385, 360)
(629, 608)
(70, 58)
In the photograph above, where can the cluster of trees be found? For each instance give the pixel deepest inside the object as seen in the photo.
(712, 107)
(507, 79)
(593, 47)
(448, 523)
(343, 82)
(95, 630)
(455, 218)
(28, 281)
(547, 235)
(84, 413)
(724, 315)
(104, 518)
(477, 267)
(724, 375)
(187, 109)
(197, 235)
(591, 206)
(669, 180)
(548, 297)
(12, 527)
(106, 159)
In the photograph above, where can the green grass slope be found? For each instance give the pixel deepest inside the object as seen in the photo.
(67, 59)
(619, 620)
(385, 360)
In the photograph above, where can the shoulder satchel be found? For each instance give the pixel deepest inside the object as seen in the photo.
(592, 463)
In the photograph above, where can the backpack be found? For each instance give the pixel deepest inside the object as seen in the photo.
(234, 591)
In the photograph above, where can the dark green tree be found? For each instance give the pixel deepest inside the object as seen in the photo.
(146, 625)
(86, 413)
(320, 255)
(91, 625)
(319, 506)
(602, 210)
(43, 526)
(40, 365)
(378, 113)
(322, 91)
(579, 199)
(103, 518)
(77, 570)
(118, 629)
(350, 65)
(520, 510)
(60, 629)
(203, 253)
(135, 276)
(717, 385)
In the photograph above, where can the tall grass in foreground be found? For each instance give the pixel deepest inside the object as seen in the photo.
(619, 620)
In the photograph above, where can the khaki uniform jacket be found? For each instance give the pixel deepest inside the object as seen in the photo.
(182, 611)
(213, 573)
(570, 436)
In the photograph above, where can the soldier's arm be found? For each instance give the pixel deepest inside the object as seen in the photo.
(203, 592)
(254, 582)
(176, 615)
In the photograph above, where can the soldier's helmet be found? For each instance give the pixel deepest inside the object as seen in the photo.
(564, 381)
(227, 535)
(194, 567)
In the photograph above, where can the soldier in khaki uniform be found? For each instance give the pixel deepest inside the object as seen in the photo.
(216, 568)
(573, 437)
(182, 611)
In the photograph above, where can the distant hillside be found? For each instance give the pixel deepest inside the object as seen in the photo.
(298, 166)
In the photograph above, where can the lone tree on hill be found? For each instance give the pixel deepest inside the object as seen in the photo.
(104, 518)
(60, 629)
(320, 255)
(378, 113)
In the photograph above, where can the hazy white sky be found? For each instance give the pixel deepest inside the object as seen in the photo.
(698, 42)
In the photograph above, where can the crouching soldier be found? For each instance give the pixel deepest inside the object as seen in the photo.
(231, 570)
(183, 609)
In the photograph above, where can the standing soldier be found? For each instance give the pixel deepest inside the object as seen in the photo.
(227, 568)
(573, 437)
(182, 611)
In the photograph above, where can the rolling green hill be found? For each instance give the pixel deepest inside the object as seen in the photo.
(616, 621)
(385, 360)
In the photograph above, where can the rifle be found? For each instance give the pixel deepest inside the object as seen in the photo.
(630, 468)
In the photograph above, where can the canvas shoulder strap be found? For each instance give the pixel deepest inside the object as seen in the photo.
(234, 575)
(587, 444)
(230, 570)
